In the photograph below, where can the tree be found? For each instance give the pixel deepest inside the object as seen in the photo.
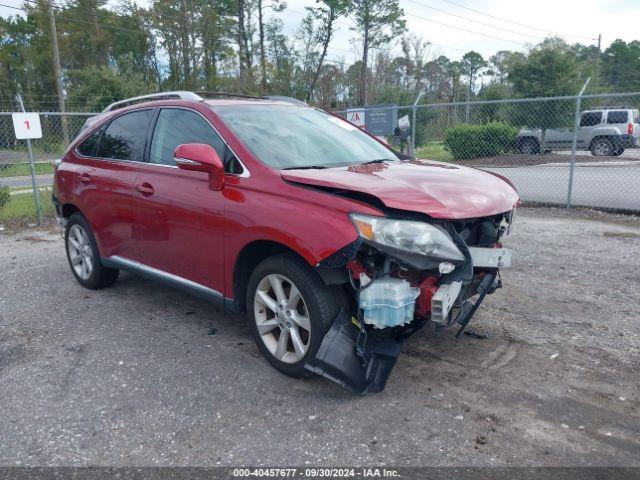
(276, 6)
(472, 63)
(621, 66)
(326, 13)
(377, 22)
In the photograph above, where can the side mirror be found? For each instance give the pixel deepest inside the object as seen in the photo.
(200, 157)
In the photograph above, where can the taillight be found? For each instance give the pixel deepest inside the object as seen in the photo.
(630, 129)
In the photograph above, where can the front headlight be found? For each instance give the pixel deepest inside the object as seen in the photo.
(407, 235)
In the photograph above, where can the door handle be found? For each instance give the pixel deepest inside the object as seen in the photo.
(146, 189)
(84, 178)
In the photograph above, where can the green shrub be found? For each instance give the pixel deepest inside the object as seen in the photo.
(5, 196)
(476, 141)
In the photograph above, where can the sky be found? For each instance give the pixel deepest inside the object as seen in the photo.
(454, 27)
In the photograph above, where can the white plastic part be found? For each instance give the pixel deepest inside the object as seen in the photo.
(388, 302)
(443, 300)
(490, 257)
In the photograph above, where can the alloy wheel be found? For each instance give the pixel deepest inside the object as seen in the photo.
(80, 252)
(282, 318)
(602, 148)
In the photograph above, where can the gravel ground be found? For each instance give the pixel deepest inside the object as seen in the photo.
(129, 375)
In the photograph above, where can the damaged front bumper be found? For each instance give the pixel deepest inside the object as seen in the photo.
(361, 356)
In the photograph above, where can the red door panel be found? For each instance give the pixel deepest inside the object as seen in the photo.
(105, 196)
(179, 224)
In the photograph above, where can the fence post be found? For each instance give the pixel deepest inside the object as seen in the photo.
(32, 166)
(574, 141)
(412, 147)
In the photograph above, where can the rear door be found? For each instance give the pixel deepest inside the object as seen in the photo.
(104, 184)
(179, 227)
(588, 122)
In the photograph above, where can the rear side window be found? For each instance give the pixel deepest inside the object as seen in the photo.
(88, 147)
(617, 116)
(590, 119)
(177, 126)
(125, 137)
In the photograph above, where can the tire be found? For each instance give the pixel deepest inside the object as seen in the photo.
(602, 147)
(618, 151)
(84, 257)
(285, 342)
(529, 146)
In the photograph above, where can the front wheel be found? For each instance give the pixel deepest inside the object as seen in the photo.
(83, 255)
(290, 309)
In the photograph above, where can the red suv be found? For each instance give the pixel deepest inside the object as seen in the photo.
(336, 246)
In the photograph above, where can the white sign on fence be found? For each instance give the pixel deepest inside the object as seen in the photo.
(27, 125)
(356, 117)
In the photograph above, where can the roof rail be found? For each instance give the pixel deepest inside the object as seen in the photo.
(280, 98)
(207, 93)
(283, 98)
(614, 107)
(181, 95)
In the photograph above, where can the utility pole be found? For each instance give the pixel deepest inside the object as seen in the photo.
(58, 74)
(597, 69)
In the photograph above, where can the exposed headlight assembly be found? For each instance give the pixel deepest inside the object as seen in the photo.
(407, 235)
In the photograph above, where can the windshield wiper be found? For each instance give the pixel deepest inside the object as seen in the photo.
(305, 167)
(377, 160)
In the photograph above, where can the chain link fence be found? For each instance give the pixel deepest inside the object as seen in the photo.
(581, 150)
(17, 199)
(566, 151)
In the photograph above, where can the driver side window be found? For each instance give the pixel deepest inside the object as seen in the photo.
(177, 126)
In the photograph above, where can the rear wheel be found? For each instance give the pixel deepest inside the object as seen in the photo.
(618, 151)
(84, 257)
(602, 147)
(290, 309)
(529, 146)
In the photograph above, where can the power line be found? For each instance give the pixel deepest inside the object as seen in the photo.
(350, 26)
(514, 22)
(465, 30)
(475, 21)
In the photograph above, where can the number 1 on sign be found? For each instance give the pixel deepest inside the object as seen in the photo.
(26, 123)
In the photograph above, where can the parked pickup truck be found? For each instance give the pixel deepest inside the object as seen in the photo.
(606, 131)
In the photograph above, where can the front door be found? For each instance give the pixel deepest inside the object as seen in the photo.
(179, 226)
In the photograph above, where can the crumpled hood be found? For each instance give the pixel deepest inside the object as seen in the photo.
(440, 190)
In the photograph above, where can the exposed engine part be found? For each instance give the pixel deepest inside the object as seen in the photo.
(488, 285)
(443, 301)
(387, 302)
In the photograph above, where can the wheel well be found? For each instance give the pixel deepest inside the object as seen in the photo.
(521, 140)
(69, 209)
(248, 259)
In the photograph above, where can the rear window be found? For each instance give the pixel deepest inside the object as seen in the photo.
(589, 119)
(617, 116)
(125, 137)
(88, 147)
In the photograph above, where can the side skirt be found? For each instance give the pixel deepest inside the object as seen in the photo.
(171, 280)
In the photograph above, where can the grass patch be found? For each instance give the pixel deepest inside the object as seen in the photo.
(434, 151)
(21, 169)
(23, 206)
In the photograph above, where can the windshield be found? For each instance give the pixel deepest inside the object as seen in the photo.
(286, 136)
